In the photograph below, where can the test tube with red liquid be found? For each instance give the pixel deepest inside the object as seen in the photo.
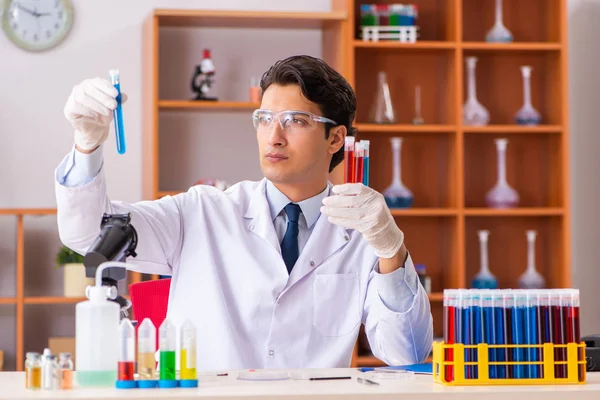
(558, 305)
(126, 366)
(450, 296)
(573, 328)
(349, 173)
(358, 162)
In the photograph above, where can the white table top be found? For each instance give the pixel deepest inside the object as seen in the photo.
(12, 387)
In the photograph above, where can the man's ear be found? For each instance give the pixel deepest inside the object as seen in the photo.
(337, 136)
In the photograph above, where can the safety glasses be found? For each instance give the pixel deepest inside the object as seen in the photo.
(294, 122)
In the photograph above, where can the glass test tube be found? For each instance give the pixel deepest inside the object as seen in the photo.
(518, 332)
(499, 336)
(126, 366)
(558, 304)
(349, 159)
(467, 328)
(115, 79)
(476, 334)
(573, 328)
(508, 309)
(167, 344)
(532, 336)
(65, 371)
(146, 350)
(366, 161)
(449, 329)
(358, 163)
(33, 371)
(49, 372)
(489, 327)
(187, 369)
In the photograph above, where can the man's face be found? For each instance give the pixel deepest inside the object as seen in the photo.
(291, 157)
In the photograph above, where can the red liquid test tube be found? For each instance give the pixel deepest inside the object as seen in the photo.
(573, 328)
(449, 307)
(349, 159)
(358, 162)
(126, 370)
(559, 331)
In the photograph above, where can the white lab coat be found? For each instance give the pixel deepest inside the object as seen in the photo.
(229, 279)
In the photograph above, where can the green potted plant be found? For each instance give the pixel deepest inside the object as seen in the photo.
(74, 279)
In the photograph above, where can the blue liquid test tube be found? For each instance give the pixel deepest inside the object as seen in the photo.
(532, 336)
(366, 161)
(115, 79)
(500, 338)
(489, 328)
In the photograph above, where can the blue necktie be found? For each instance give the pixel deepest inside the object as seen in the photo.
(289, 244)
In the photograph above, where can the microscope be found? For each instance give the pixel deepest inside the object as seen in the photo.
(204, 72)
(117, 241)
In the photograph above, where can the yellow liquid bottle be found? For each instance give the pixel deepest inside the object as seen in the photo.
(33, 371)
(187, 355)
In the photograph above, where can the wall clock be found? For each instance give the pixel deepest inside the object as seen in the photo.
(36, 25)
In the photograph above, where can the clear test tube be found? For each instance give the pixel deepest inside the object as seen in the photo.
(349, 159)
(115, 79)
(558, 304)
(532, 335)
(358, 162)
(489, 327)
(167, 337)
(146, 351)
(508, 304)
(449, 303)
(126, 363)
(366, 161)
(187, 356)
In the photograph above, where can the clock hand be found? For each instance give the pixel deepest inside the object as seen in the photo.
(28, 11)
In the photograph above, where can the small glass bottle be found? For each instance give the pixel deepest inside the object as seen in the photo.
(254, 92)
(50, 380)
(65, 371)
(33, 371)
(397, 195)
(484, 278)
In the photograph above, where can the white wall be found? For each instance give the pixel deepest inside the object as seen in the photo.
(584, 100)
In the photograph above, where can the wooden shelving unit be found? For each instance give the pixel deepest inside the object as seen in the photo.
(448, 166)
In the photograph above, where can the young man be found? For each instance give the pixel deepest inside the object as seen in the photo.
(278, 273)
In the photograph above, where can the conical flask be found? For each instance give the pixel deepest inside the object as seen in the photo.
(397, 195)
(484, 279)
(383, 109)
(531, 279)
(499, 32)
(474, 114)
(527, 115)
(502, 195)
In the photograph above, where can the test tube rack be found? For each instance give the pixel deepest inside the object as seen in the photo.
(575, 364)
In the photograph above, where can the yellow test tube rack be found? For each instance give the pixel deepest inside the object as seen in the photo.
(575, 364)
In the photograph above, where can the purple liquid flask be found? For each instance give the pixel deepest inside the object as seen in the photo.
(531, 279)
(502, 195)
(484, 279)
(474, 114)
(397, 195)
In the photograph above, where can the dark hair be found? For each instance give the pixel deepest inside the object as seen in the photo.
(320, 84)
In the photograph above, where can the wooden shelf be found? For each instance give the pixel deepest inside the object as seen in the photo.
(515, 46)
(369, 361)
(8, 300)
(424, 212)
(424, 45)
(436, 296)
(248, 19)
(27, 211)
(404, 128)
(53, 300)
(513, 129)
(206, 105)
(515, 212)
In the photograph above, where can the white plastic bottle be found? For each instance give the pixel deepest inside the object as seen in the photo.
(97, 337)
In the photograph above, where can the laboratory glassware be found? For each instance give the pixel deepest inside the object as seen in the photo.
(359, 158)
(33, 371)
(484, 279)
(115, 79)
(531, 279)
(499, 32)
(187, 358)
(418, 118)
(502, 195)
(366, 161)
(146, 350)
(397, 195)
(474, 113)
(527, 114)
(167, 337)
(383, 109)
(349, 159)
(65, 370)
(126, 363)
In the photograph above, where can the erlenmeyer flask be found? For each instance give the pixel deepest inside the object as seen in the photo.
(531, 279)
(484, 279)
(474, 114)
(383, 109)
(502, 195)
(527, 115)
(499, 33)
(397, 195)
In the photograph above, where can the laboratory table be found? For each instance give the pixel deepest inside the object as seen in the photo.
(419, 387)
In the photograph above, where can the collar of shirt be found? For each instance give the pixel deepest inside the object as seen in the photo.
(311, 208)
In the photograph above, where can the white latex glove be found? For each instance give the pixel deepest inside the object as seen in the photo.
(89, 110)
(356, 206)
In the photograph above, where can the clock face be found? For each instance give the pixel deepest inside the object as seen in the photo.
(37, 25)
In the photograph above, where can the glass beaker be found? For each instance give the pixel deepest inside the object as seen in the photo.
(397, 195)
(531, 279)
(502, 195)
(499, 33)
(383, 109)
(474, 114)
(527, 115)
(484, 278)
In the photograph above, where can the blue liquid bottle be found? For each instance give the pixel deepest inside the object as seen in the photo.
(397, 195)
(484, 279)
